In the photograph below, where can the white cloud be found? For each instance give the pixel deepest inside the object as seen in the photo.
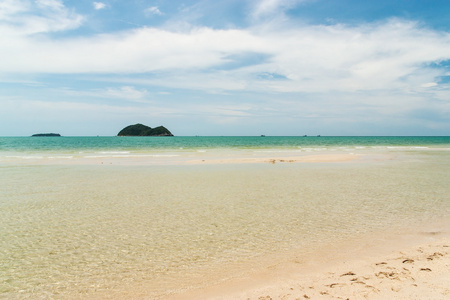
(429, 84)
(128, 93)
(266, 8)
(9, 8)
(24, 17)
(99, 5)
(62, 111)
(56, 5)
(153, 10)
(386, 56)
(140, 50)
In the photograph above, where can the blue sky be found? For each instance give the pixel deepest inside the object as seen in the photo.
(274, 67)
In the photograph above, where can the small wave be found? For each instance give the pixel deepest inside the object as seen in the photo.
(278, 151)
(130, 156)
(314, 149)
(26, 157)
(114, 152)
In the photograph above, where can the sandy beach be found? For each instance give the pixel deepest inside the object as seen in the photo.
(227, 224)
(415, 271)
(224, 150)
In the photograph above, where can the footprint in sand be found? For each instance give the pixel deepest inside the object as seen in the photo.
(425, 269)
(435, 255)
(335, 284)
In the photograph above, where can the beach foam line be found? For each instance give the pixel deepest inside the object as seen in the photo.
(201, 158)
(114, 152)
(130, 156)
(24, 157)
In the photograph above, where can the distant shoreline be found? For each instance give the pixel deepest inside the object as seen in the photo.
(46, 135)
(244, 136)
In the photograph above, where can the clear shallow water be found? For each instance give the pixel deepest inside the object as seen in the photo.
(166, 143)
(17, 149)
(87, 231)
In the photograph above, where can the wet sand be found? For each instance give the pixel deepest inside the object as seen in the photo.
(212, 158)
(316, 158)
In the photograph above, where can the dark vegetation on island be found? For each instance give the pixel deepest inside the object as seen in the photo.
(142, 130)
(46, 134)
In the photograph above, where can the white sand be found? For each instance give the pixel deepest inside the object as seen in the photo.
(413, 272)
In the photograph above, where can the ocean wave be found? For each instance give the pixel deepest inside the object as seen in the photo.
(25, 157)
(114, 152)
(130, 156)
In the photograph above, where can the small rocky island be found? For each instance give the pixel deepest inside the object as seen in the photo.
(143, 130)
(46, 134)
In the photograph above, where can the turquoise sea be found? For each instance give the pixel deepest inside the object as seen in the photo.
(149, 143)
(130, 217)
(16, 148)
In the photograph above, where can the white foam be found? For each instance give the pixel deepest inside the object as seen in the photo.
(25, 157)
(130, 156)
(114, 152)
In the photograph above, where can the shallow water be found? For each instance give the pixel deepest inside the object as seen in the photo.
(173, 150)
(76, 231)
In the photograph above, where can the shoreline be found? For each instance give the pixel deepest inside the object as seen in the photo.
(204, 153)
(414, 265)
(198, 159)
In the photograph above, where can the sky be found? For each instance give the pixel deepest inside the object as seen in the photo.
(230, 67)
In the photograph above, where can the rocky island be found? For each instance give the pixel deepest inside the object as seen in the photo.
(46, 134)
(143, 130)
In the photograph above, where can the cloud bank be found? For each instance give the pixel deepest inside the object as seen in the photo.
(391, 54)
(385, 65)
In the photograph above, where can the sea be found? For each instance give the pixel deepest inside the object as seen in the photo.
(153, 217)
